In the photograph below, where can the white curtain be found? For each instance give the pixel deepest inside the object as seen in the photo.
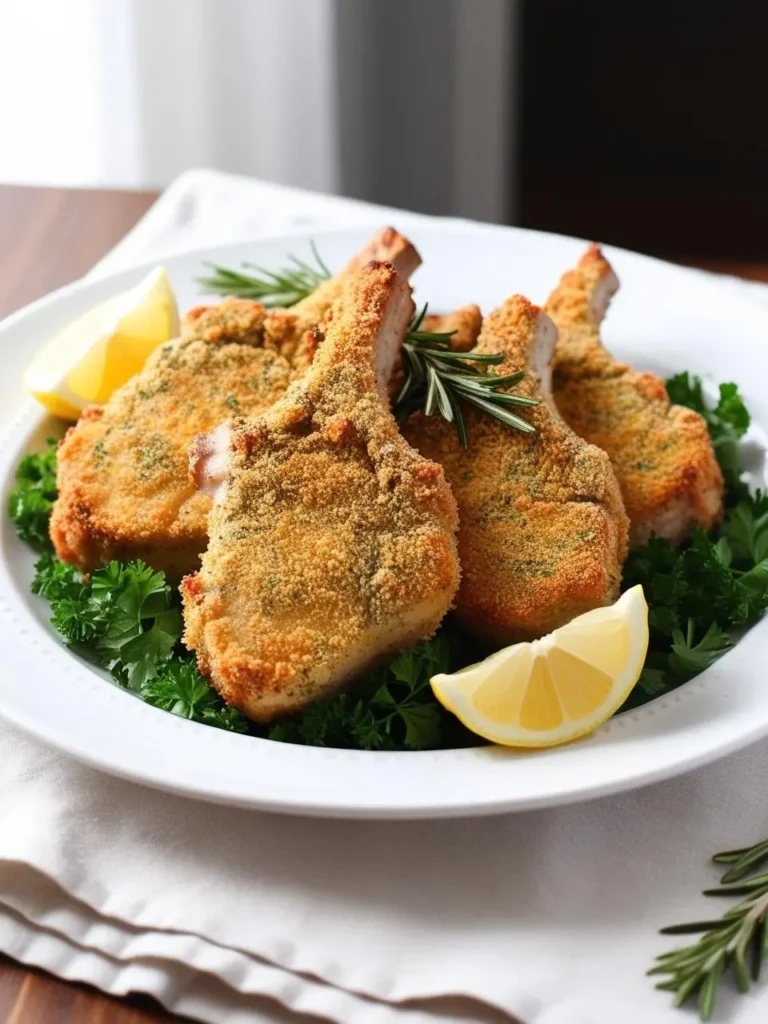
(402, 101)
(67, 104)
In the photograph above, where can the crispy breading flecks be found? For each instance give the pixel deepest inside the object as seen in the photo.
(123, 478)
(543, 533)
(464, 324)
(661, 453)
(332, 542)
(124, 485)
(388, 245)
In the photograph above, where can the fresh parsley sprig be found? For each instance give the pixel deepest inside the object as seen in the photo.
(31, 500)
(123, 613)
(727, 422)
(179, 688)
(438, 380)
(283, 288)
(703, 593)
(737, 941)
(126, 618)
(394, 707)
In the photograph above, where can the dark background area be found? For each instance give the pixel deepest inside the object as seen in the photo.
(644, 124)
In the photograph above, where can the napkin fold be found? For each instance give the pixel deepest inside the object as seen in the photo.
(226, 915)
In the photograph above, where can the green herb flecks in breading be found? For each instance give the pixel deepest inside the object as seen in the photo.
(702, 593)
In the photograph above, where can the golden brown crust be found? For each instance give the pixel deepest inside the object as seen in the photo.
(244, 322)
(233, 320)
(464, 323)
(334, 545)
(543, 533)
(124, 487)
(661, 454)
(386, 246)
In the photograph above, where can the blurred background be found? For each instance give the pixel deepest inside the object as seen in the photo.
(535, 112)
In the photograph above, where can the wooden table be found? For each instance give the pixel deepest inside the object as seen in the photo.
(49, 237)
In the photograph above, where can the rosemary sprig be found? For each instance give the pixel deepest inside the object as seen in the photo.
(437, 380)
(738, 940)
(284, 288)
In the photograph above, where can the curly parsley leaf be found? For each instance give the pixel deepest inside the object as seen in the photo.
(396, 709)
(703, 593)
(141, 656)
(404, 705)
(73, 614)
(652, 681)
(328, 723)
(123, 614)
(31, 500)
(139, 626)
(689, 657)
(179, 688)
(126, 618)
(55, 580)
(746, 529)
(727, 422)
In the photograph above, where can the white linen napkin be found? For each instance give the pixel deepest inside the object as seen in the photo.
(224, 915)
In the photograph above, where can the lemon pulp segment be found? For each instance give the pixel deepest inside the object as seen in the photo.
(555, 689)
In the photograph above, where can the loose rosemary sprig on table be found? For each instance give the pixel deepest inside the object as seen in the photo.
(284, 288)
(738, 940)
(437, 378)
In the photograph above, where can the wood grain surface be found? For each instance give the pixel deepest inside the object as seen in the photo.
(49, 237)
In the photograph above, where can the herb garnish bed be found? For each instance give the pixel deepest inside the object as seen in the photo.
(126, 618)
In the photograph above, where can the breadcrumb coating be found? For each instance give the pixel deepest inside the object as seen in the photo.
(464, 326)
(334, 544)
(661, 453)
(387, 246)
(124, 486)
(543, 533)
(464, 323)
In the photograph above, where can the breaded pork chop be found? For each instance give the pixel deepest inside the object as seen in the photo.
(332, 542)
(463, 324)
(387, 245)
(123, 477)
(124, 485)
(542, 529)
(661, 453)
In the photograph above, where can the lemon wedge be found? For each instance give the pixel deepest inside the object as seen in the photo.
(105, 347)
(557, 688)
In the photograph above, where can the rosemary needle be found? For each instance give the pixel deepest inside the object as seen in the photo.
(437, 379)
(737, 941)
(283, 288)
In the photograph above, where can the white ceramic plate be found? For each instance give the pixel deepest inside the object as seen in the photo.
(664, 318)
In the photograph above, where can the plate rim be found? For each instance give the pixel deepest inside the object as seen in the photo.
(22, 425)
